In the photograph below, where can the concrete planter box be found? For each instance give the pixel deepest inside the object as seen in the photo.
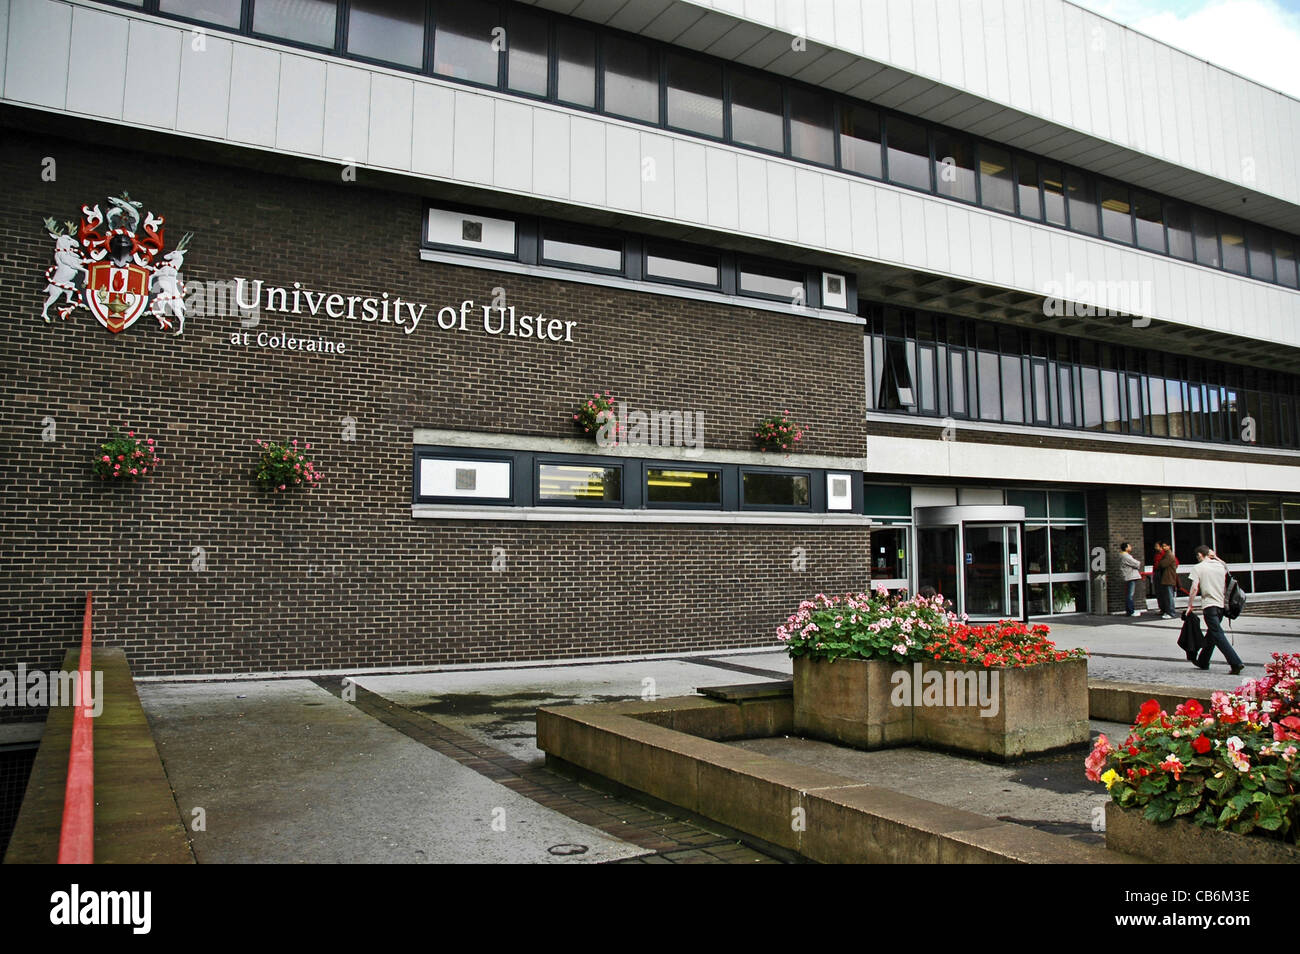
(1001, 714)
(1178, 841)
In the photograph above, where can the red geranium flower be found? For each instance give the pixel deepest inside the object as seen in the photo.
(1201, 744)
(1149, 711)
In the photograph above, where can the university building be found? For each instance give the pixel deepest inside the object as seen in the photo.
(1026, 278)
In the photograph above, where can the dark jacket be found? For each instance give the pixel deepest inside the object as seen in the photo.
(1166, 571)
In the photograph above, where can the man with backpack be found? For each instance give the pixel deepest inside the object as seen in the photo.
(1210, 580)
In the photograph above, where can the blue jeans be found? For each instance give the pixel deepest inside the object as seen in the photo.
(1214, 631)
(1167, 592)
(1128, 596)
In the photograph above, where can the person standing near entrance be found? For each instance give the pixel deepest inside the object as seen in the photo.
(1166, 575)
(1209, 578)
(1132, 570)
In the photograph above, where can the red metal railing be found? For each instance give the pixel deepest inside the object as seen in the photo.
(77, 839)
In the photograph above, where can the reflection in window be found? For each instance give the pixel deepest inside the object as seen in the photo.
(579, 483)
(1027, 191)
(684, 487)
(1260, 246)
(528, 60)
(775, 490)
(1150, 223)
(303, 21)
(1207, 238)
(908, 153)
(680, 265)
(811, 123)
(757, 112)
(631, 74)
(1233, 245)
(575, 65)
(1178, 224)
(694, 95)
(1284, 254)
(1116, 213)
(860, 140)
(582, 249)
(1068, 550)
(997, 191)
(1054, 194)
(954, 166)
(462, 43)
(219, 12)
(896, 389)
(1081, 194)
(388, 30)
(764, 282)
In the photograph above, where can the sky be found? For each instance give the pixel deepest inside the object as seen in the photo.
(1258, 39)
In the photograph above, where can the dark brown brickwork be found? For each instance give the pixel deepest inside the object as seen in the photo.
(1115, 517)
(345, 577)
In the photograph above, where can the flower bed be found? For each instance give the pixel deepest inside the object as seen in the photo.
(871, 670)
(1231, 768)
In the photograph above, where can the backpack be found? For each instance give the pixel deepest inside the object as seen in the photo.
(1234, 597)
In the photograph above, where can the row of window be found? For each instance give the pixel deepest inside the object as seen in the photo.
(546, 242)
(941, 366)
(526, 479)
(528, 53)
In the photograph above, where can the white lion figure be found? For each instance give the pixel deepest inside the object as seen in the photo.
(166, 288)
(61, 276)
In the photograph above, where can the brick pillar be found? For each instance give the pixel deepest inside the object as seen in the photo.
(1114, 516)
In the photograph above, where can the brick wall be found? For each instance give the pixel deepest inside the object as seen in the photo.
(345, 577)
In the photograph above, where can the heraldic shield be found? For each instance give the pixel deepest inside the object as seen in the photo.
(115, 295)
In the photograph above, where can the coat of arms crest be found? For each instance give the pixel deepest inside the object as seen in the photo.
(106, 265)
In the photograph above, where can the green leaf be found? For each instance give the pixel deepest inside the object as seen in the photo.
(1188, 805)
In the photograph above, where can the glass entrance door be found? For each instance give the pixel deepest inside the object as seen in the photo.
(991, 579)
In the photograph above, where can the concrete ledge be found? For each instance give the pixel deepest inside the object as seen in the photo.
(646, 746)
(1120, 701)
(136, 818)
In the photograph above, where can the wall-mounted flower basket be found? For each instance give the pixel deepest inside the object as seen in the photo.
(598, 419)
(125, 456)
(778, 432)
(285, 466)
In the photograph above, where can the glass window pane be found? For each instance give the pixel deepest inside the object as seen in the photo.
(909, 153)
(1269, 581)
(1091, 388)
(1155, 504)
(579, 484)
(680, 265)
(1187, 537)
(220, 12)
(1116, 213)
(303, 21)
(954, 166)
(957, 368)
(1034, 502)
(1293, 543)
(1150, 223)
(388, 30)
(1265, 508)
(768, 282)
(1066, 505)
(990, 386)
(1207, 238)
(1027, 188)
(694, 95)
(1232, 542)
(462, 43)
(1266, 543)
(1178, 222)
(775, 490)
(1068, 550)
(1035, 548)
(683, 487)
(566, 246)
(997, 191)
(1284, 253)
(631, 73)
(1081, 191)
(757, 112)
(1260, 246)
(1233, 242)
(1054, 194)
(812, 119)
(575, 65)
(1013, 396)
(860, 139)
(528, 62)
(1230, 507)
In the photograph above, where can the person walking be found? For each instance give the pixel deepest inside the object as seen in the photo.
(1166, 574)
(1132, 570)
(1209, 578)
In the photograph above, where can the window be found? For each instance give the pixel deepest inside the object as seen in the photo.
(1206, 234)
(303, 21)
(1232, 241)
(1116, 213)
(683, 488)
(1178, 222)
(757, 112)
(763, 281)
(1284, 253)
(665, 263)
(908, 153)
(694, 95)
(1081, 193)
(466, 479)
(575, 65)
(1260, 247)
(580, 484)
(1028, 195)
(860, 140)
(387, 30)
(896, 389)
(761, 489)
(219, 12)
(1150, 224)
(954, 166)
(471, 232)
(631, 74)
(579, 248)
(812, 119)
(1053, 194)
(462, 43)
(997, 191)
(528, 63)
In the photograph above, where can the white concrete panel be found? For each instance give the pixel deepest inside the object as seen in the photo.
(820, 22)
(1040, 58)
(300, 116)
(995, 51)
(848, 24)
(1022, 255)
(1219, 147)
(690, 181)
(1158, 291)
(721, 187)
(902, 41)
(810, 208)
(952, 62)
(1200, 154)
(36, 54)
(203, 99)
(1092, 44)
(1182, 112)
(972, 47)
(1041, 242)
(782, 204)
(623, 168)
(433, 123)
(1134, 92)
(1177, 290)
(1149, 85)
(751, 177)
(347, 113)
(551, 153)
(1063, 264)
(981, 247)
(587, 160)
(391, 118)
(925, 34)
(254, 74)
(153, 68)
(911, 210)
(97, 38)
(937, 238)
(1247, 138)
(889, 224)
(4, 40)
(1076, 63)
(839, 223)
(512, 146)
(875, 30)
(1015, 26)
(1164, 79)
(658, 176)
(472, 143)
(1114, 65)
(862, 206)
(958, 231)
(1004, 272)
(1058, 59)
